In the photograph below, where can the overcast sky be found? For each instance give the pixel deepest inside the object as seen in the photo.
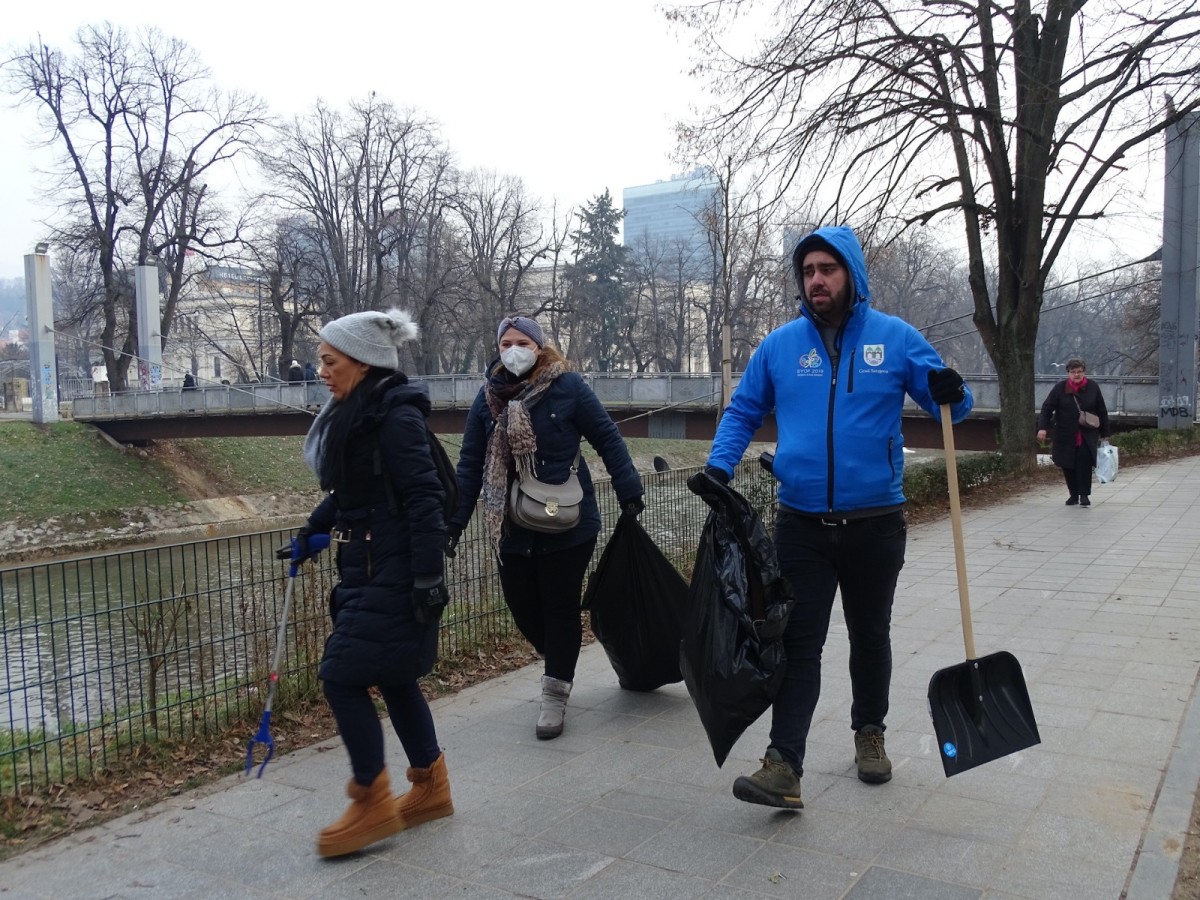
(571, 97)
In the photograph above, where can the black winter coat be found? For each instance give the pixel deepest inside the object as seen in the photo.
(395, 533)
(1060, 413)
(567, 412)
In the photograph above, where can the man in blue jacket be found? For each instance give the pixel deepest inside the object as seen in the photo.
(836, 377)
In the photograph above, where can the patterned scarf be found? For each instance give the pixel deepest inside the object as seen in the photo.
(512, 444)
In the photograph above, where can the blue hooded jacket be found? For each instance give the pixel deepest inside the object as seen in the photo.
(840, 447)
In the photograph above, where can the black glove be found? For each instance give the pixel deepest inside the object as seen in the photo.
(945, 386)
(633, 507)
(718, 474)
(429, 598)
(453, 533)
(702, 482)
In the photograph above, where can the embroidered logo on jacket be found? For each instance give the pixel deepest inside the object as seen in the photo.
(811, 359)
(873, 354)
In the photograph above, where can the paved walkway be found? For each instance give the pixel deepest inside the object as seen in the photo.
(1101, 606)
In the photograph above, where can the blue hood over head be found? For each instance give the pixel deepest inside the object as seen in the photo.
(841, 241)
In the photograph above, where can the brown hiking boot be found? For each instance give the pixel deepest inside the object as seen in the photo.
(775, 784)
(874, 767)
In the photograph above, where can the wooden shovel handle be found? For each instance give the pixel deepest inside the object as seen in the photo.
(960, 554)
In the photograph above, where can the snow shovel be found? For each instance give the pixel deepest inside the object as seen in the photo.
(980, 708)
(316, 543)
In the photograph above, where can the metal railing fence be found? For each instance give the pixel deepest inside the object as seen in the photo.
(107, 654)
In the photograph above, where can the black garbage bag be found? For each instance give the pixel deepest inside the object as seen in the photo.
(732, 653)
(637, 601)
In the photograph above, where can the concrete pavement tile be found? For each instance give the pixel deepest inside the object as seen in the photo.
(672, 735)
(623, 880)
(509, 765)
(1001, 781)
(385, 878)
(944, 857)
(892, 800)
(657, 797)
(886, 884)
(966, 817)
(1046, 873)
(695, 851)
(839, 834)
(452, 848)
(467, 890)
(1183, 672)
(607, 832)
(1106, 844)
(778, 870)
(724, 813)
(517, 811)
(543, 870)
(583, 779)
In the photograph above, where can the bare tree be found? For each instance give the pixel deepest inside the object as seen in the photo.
(1015, 119)
(140, 130)
(503, 239)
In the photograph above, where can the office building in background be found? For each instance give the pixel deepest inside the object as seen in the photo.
(673, 217)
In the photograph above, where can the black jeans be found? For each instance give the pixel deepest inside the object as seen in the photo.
(863, 558)
(362, 732)
(1079, 479)
(544, 592)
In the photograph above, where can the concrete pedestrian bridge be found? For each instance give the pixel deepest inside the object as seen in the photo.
(661, 405)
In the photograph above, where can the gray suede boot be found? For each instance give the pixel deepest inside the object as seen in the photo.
(554, 707)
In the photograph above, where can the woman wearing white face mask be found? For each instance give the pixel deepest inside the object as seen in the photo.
(533, 410)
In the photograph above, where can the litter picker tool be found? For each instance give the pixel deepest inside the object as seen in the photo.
(980, 708)
(316, 543)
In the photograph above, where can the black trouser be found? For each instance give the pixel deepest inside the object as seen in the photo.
(862, 557)
(543, 592)
(362, 733)
(1079, 478)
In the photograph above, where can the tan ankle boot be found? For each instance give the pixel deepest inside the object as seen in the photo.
(429, 797)
(553, 709)
(370, 817)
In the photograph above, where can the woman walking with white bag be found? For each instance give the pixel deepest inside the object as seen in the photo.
(1076, 411)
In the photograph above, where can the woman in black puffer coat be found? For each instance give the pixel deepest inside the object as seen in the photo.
(533, 412)
(1073, 448)
(384, 514)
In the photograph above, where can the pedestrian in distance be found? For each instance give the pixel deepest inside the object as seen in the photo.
(836, 377)
(295, 372)
(310, 371)
(189, 381)
(532, 413)
(1074, 446)
(384, 515)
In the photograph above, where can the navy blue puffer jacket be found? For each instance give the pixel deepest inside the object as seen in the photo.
(395, 533)
(567, 412)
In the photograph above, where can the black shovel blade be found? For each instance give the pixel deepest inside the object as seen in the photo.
(981, 711)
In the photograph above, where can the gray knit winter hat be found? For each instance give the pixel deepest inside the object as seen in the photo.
(371, 337)
(527, 326)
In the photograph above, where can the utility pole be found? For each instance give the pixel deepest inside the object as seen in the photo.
(1177, 315)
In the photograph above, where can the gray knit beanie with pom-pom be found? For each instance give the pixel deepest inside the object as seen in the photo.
(371, 337)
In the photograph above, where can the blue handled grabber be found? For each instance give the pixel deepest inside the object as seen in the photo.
(316, 543)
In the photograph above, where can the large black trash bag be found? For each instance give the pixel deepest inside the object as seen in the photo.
(638, 601)
(732, 654)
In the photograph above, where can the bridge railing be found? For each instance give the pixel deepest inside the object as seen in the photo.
(1124, 395)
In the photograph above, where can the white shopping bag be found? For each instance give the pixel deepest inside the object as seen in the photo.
(1107, 459)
